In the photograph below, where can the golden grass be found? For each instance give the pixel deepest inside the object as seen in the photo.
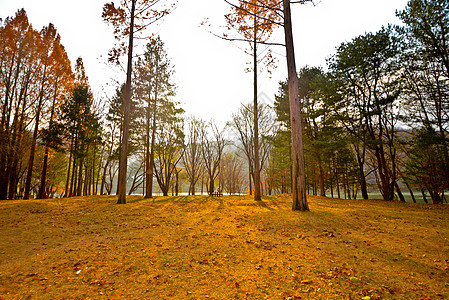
(222, 248)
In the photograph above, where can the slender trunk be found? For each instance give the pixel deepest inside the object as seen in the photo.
(398, 191)
(211, 185)
(332, 188)
(424, 197)
(249, 178)
(257, 194)
(66, 193)
(80, 177)
(321, 175)
(126, 116)
(410, 191)
(93, 189)
(148, 174)
(177, 184)
(74, 179)
(298, 168)
(41, 192)
(33, 149)
(103, 179)
(153, 140)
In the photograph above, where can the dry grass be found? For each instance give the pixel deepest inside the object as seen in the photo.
(222, 248)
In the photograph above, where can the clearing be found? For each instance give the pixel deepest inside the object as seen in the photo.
(200, 247)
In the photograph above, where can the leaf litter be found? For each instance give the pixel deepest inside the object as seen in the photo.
(200, 247)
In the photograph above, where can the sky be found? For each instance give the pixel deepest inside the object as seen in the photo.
(210, 72)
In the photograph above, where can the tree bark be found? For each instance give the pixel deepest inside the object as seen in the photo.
(126, 116)
(33, 149)
(257, 194)
(298, 168)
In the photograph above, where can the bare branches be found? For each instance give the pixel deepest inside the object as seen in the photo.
(245, 40)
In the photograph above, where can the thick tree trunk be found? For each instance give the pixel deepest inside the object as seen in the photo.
(298, 168)
(126, 116)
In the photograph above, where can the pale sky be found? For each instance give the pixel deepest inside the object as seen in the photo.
(210, 72)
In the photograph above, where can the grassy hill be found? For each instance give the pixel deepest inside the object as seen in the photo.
(222, 248)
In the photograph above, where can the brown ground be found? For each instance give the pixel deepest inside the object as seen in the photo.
(222, 248)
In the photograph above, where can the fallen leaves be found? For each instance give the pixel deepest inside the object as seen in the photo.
(192, 249)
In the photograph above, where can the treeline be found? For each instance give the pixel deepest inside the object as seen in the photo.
(376, 118)
(49, 129)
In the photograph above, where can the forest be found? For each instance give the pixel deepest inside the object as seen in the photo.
(374, 120)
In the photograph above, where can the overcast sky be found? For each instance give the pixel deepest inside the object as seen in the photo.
(210, 72)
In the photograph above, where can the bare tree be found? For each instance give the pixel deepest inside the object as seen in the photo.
(213, 143)
(242, 123)
(230, 177)
(192, 159)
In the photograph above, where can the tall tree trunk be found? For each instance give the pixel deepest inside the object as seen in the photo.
(126, 116)
(257, 194)
(41, 192)
(66, 193)
(153, 140)
(33, 149)
(249, 178)
(298, 167)
(148, 174)
(73, 179)
(80, 177)
(321, 176)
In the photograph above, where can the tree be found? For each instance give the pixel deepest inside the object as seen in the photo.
(154, 89)
(45, 48)
(168, 151)
(255, 23)
(123, 19)
(213, 143)
(231, 176)
(82, 127)
(426, 166)
(298, 168)
(242, 123)
(426, 71)
(62, 81)
(371, 86)
(192, 159)
(18, 71)
(427, 21)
